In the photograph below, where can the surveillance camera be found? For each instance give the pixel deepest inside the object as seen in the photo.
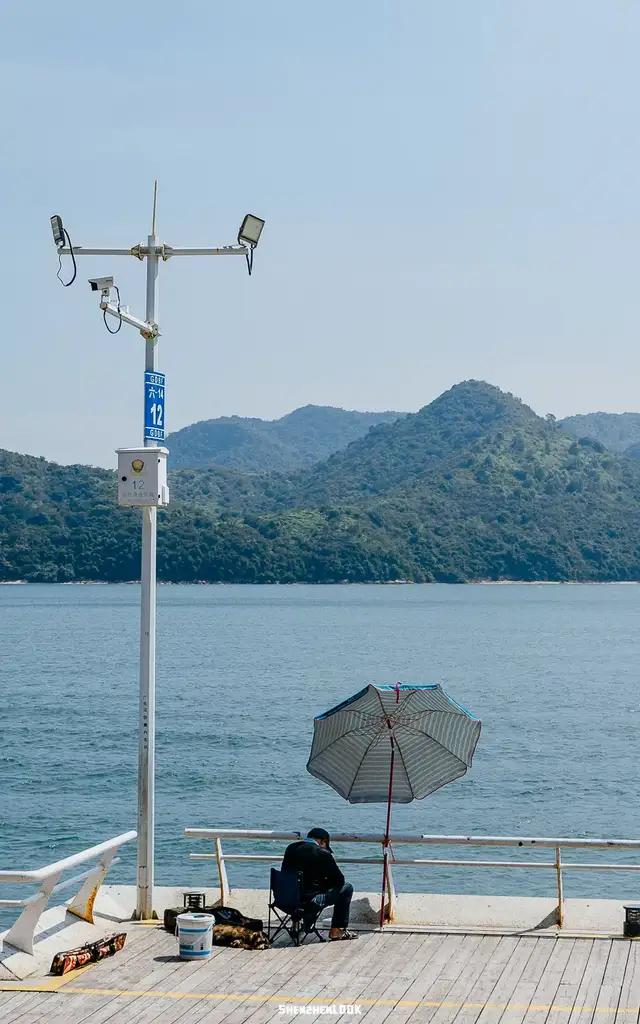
(101, 284)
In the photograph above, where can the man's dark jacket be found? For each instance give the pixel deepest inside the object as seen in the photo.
(319, 869)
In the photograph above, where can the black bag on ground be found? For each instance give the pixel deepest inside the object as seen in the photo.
(229, 915)
(221, 915)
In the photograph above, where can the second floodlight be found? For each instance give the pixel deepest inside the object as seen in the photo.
(57, 228)
(250, 230)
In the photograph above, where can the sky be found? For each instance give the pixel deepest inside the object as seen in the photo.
(451, 191)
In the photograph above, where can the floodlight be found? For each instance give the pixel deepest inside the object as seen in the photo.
(250, 230)
(57, 228)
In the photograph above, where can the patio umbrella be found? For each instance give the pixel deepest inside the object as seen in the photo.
(393, 744)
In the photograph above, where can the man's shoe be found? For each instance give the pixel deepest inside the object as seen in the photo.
(344, 936)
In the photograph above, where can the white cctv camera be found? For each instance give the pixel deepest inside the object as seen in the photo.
(101, 284)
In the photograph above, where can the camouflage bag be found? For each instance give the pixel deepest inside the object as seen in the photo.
(90, 953)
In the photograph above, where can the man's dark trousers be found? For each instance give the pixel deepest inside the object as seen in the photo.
(338, 898)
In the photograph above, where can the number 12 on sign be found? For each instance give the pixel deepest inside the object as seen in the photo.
(154, 391)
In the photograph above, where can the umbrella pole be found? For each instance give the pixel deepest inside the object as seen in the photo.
(385, 847)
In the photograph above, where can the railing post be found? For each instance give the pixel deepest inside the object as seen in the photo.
(560, 913)
(222, 874)
(82, 903)
(21, 934)
(390, 910)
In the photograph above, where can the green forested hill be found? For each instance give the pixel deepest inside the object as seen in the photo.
(299, 439)
(617, 431)
(474, 486)
(394, 455)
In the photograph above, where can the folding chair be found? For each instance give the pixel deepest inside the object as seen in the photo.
(287, 903)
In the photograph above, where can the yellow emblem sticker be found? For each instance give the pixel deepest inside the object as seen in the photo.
(137, 465)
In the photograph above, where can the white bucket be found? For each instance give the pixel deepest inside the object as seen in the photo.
(194, 935)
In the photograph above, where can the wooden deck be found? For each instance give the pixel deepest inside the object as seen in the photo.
(395, 977)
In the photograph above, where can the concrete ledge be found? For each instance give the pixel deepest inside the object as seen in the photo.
(423, 910)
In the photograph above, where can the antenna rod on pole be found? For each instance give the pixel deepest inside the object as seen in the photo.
(155, 201)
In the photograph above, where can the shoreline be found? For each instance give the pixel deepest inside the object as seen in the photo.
(310, 583)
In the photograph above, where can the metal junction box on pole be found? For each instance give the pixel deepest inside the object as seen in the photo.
(142, 477)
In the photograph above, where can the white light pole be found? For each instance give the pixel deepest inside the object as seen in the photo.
(147, 710)
(153, 252)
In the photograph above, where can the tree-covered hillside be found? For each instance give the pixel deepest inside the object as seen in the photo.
(474, 486)
(617, 431)
(299, 439)
(393, 455)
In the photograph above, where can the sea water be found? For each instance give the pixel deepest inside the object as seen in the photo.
(551, 670)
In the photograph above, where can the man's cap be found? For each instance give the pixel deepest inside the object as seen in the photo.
(320, 833)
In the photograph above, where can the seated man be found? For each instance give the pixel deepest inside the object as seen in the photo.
(323, 882)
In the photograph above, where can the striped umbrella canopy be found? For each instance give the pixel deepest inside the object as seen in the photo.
(393, 744)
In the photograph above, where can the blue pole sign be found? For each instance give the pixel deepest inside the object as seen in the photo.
(153, 406)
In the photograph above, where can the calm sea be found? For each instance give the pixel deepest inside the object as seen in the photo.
(552, 671)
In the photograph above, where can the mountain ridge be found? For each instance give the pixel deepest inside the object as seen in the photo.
(473, 486)
(617, 431)
(298, 439)
(391, 453)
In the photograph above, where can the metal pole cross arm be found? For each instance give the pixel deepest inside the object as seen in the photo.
(225, 250)
(164, 252)
(148, 329)
(81, 250)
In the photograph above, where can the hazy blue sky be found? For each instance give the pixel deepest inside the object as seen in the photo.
(451, 188)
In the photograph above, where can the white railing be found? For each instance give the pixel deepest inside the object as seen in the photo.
(557, 865)
(20, 936)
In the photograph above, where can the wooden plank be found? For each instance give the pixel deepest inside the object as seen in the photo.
(446, 979)
(459, 991)
(516, 1012)
(465, 979)
(546, 989)
(420, 984)
(582, 1012)
(478, 994)
(24, 1012)
(9, 1003)
(509, 977)
(65, 1008)
(183, 975)
(570, 982)
(630, 994)
(611, 988)
(178, 976)
(342, 966)
(122, 967)
(119, 971)
(340, 975)
(125, 966)
(414, 968)
(389, 983)
(424, 984)
(262, 969)
(96, 1006)
(263, 982)
(326, 967)
(138, 938)
(244, 984)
